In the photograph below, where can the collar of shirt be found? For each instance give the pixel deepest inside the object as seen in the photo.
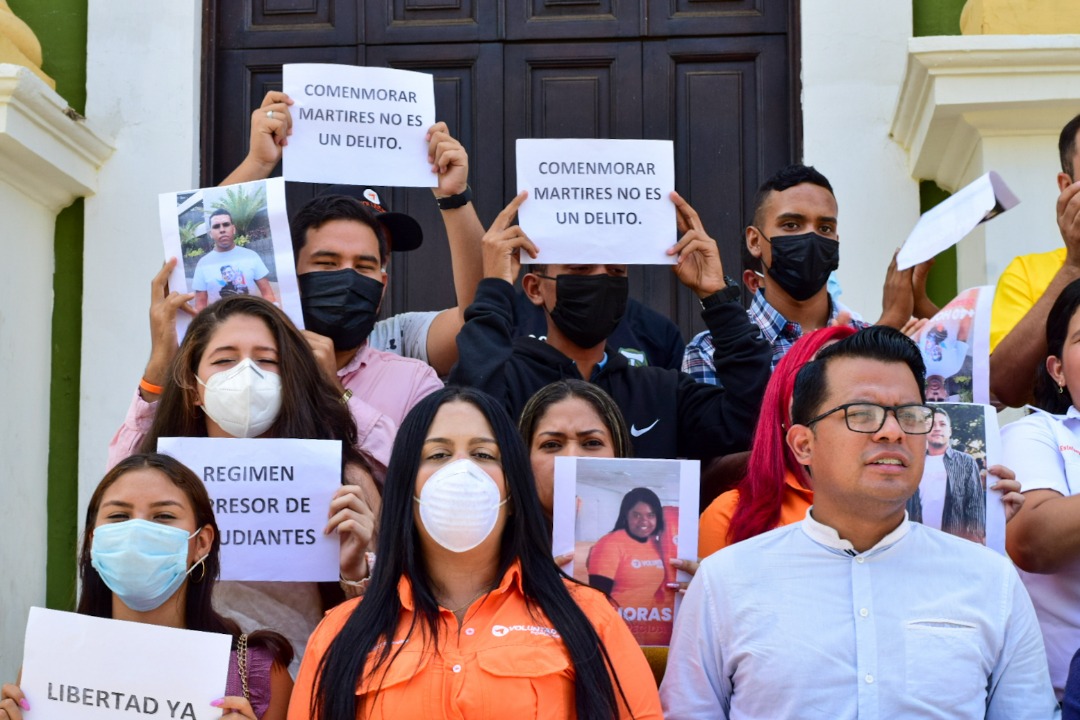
(793, 483)
(359, 359)
(511, 580)
(774, 325)
(829, 538)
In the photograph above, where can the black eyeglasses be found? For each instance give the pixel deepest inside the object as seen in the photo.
(869, 418)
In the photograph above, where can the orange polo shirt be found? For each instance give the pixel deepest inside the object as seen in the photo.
(639, 574)
(506, 662)
(715, 521)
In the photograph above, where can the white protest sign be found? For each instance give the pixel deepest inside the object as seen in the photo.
(359, 125)
(949, 221)
(271, 498)
(598, 201)
(79, 667)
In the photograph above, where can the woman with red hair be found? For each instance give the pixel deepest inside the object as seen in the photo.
(776, 489)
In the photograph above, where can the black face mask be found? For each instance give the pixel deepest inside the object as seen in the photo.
(340, 304)
(588, 307)
(801, 263)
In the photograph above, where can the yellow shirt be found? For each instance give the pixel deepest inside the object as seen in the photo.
(1019, 288)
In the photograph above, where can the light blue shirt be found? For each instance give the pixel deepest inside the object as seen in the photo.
(796, 624)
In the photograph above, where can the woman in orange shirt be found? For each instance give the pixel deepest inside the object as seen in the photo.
(775, 490)
(466, 615)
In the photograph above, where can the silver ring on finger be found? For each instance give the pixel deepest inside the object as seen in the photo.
(270, 114)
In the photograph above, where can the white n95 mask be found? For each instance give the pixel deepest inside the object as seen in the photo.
(243, 400)
(459, 505)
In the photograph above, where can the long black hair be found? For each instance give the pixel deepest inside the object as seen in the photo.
(95, 598)
(370, 629)
(1048, 394)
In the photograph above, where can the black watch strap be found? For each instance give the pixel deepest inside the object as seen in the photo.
(453, 202)
(731, 293)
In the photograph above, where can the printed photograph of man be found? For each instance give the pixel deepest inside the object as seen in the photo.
(227, 269)
(951, 496)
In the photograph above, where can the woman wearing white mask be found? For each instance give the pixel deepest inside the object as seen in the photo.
(244, 370)
(150, 555)
(466, 615)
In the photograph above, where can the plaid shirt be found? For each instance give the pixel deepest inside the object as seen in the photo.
(780, 332)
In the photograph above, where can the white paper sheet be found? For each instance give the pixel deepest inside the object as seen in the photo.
(588, 496)
(949, 221)
(185, 231)
(271, 498)
(359, 125)
(78, 667)
(598, 201)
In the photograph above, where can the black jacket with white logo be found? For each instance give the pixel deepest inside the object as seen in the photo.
(669, 414)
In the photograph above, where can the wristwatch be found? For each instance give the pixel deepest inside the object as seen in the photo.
(731, 293)
(453, 202)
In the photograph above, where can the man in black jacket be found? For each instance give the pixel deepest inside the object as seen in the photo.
(669, 414)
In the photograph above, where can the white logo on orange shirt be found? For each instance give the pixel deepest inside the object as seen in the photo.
(503, 630)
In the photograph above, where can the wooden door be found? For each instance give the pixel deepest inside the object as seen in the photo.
(718, 77)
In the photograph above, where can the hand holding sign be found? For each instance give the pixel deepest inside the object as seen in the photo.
(1068, 217)
(13, 702)
(449, 160)
(698, 266)
(502, 244)
(353, 517)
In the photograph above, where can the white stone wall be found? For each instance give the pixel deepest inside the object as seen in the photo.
(853, 60)
(143, 88)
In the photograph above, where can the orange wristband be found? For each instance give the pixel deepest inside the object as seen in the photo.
(150, 387)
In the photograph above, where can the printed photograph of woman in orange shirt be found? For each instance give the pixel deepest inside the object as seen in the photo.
(628, 565)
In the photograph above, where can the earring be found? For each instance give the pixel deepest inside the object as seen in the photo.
(202, 576)
(1061, 389)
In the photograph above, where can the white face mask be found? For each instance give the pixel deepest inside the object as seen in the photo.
(243, 400)
(459, 505)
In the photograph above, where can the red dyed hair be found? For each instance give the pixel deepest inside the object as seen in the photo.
(761, 491)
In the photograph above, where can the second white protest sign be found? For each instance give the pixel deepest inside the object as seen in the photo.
(271, 498)
(598, 201)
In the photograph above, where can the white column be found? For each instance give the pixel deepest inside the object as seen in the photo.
(143, 85)
(853, 59)
(47, 159)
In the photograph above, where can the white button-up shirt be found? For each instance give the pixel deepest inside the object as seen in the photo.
(796, 624)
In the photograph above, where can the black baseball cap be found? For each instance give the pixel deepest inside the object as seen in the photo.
(405, 233)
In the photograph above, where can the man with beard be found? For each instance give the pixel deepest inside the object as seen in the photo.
(950, 496)
(669, 414)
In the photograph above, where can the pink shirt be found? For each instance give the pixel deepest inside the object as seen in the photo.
(385, 387)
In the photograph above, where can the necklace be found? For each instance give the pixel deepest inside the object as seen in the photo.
(470, 602)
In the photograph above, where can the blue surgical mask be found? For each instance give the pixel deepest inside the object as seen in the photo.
(142, 562)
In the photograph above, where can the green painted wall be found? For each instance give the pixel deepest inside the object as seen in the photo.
(60, 25)
(938, 17)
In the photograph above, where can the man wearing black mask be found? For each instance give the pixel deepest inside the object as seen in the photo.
(669, 415)
(794, 235)
(342, 244)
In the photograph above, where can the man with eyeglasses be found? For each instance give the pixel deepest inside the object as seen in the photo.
(856, 612)
(243, 266)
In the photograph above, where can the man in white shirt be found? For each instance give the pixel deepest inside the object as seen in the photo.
(856, 612)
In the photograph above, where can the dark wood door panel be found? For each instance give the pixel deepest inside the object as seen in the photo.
(727, 110)
(573, 19)
(570, 90)
(288, 23)
(244, 78)
(672, 18)
(431, 21)
(468, 97)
